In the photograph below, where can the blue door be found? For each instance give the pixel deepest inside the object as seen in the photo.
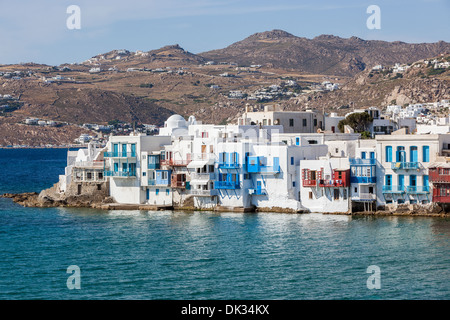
(372, 155)
(276, 164)
(401, 156)
(124, 150)
(401, 181)
(413, 180)
(133, 150)
(258, 187)
(363, 155)
(116, 167)
(115, 149)
(148, 194)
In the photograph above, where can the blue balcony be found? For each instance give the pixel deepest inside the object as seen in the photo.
(120, 154)
(227, 185)
(405, 165)
(153, 166)
(120, 174)
(254, 165)
(354, 179)
(418, 189)
(362, 162)
(229, 165)
(394, 189)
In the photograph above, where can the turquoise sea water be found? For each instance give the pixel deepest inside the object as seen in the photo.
(206, 255)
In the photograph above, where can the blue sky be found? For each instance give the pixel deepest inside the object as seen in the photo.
(36, 31)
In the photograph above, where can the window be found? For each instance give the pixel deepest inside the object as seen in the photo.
(388, 180)
(363, 155)
(100, 175)
(157, 191)
(292, 160)
(310, 195)
(164, 175)
(89, 175)
(291, 122)
(264, 122)
(315, 122)
(99, 187)
(167, 192)
(204, 134)
(426, 154)
(388, 153)
(297, 141)
(344, 192)
(293, 184)
(304, 122)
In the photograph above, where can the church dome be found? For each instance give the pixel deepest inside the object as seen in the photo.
(175, 121)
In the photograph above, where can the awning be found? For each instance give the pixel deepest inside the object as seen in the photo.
(199, 163)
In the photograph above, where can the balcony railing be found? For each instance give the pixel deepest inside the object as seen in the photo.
(202, 176)
(229, 165)
(226, 185)
(309, 183)
(441, 199)
(257, 192)
(354, 179)
(179, 184)
(89, 164)
(203, 193)
(119, 154)
(417, 189)
(405, 165)
(120, 174)
(394, 189)
(175, 163)
(363, 162)
(364, 196)
(332, 183)
(435, 177)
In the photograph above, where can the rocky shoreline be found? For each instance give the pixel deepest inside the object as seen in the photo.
(45, 200)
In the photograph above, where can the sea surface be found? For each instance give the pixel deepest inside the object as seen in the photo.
(207, 255)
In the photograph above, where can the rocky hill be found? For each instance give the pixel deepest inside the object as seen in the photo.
(419, 83)
(325, 54)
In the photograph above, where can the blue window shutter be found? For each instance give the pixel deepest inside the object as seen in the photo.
(363, 155)
(388, 153)
(426, 154)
